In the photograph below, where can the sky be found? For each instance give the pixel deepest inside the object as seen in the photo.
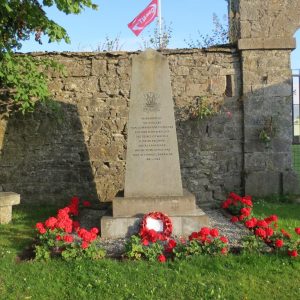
(89, 30)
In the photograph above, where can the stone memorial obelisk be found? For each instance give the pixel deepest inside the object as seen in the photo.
(152, 160)
(153, 178)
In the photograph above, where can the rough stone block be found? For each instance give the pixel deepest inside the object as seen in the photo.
(171, 205)
(126, 226)
(7, 199)
(262, 184)
(291, 183)
(195, 89)
(99, 67)
(267, 43)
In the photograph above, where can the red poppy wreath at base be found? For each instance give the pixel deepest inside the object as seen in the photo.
(152, 235)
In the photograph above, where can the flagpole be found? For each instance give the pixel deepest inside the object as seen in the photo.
(159, 22)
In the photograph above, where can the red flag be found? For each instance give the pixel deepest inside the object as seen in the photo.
(144, 18)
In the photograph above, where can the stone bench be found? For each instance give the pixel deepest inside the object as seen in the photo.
(7, 200)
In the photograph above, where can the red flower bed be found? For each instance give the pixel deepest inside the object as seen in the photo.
(61, 234)
(265, 229)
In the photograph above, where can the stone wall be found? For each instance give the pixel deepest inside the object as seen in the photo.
(263, 31)
(265, 20)
(82, 150)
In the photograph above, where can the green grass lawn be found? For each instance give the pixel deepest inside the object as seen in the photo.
(204, 277)
(296, 158)
(288, 213)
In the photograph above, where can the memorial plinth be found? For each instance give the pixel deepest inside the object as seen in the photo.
(153, 178)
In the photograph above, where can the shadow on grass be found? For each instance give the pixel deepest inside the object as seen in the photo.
(20, 233)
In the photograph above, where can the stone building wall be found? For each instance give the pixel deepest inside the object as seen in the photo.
(82, 150)
(263, 32)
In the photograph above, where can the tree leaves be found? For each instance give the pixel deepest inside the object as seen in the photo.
(21, 76)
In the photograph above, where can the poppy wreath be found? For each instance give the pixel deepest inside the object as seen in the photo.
(151, 234)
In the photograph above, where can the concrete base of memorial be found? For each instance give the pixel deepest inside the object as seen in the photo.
(128, 213)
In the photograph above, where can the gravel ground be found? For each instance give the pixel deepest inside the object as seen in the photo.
(218, 219)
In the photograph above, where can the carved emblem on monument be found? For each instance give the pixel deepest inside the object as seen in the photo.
(151, 102)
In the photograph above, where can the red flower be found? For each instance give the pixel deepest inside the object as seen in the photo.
(73, 209)
(84, 245)
(234, 219)
(224, 250)
(172, 244)
(262, 224)
(235, 197)
(94, 230)
(161, 258)
(297, 230)
(214, 232)
(68, 239)
(143, 232)
(224, 239)
(39, 225)
(208, 241)
(293, 253)
(51, 222)
(245, 211)
(269, 231)
(75, 200)
(58, 237)
(42, 230)
(261, 233)
(272, 218)
(85, 235)
(285, 233)
(145, 242)
(251, 223)
(152, 234)
(247, 200)
(242, 217)
(279, 243)
(86, 203)
(75, 225)
(63, 213)
(193, 236)
(204, 231)
(226, 203)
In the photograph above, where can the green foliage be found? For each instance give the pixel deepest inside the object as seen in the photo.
(152, 251)
(205, 107)
(20, 19)
(253, 244)
(268, 131)
(22, 80)
(49, 247)
(42, 253)
(134, 249)
(185, 251)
